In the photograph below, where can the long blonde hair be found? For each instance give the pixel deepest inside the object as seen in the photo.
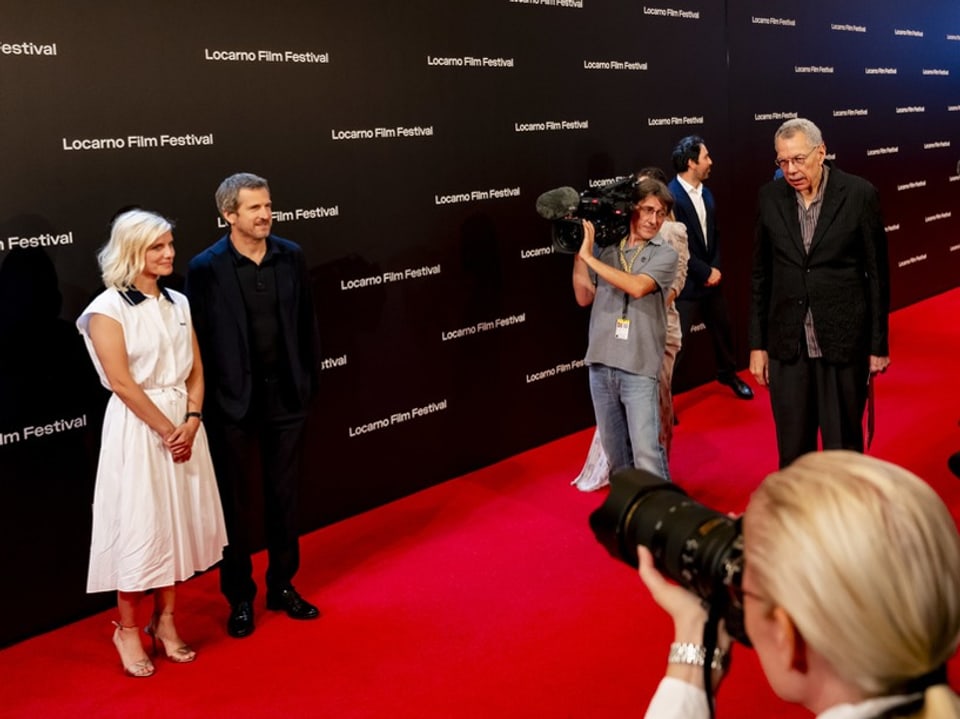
(865, 558)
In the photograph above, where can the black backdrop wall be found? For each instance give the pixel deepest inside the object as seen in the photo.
(406, 144)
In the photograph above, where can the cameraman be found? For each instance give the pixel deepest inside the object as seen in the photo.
(625, 283)
(851, 594)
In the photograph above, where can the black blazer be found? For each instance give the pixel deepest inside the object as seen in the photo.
(844, 280)
(220, 319)
(704, 255)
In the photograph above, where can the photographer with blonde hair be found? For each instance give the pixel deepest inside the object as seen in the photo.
(850, 592)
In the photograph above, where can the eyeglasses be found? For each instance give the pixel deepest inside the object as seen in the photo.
(648, 211)
(797, 160)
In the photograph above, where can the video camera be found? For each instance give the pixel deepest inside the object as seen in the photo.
(697, 547)
(608, 207)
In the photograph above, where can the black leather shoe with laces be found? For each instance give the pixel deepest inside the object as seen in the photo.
(240, 623)
(739, 387)
(289, 601)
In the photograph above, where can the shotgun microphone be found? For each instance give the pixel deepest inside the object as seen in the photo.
(558, 203)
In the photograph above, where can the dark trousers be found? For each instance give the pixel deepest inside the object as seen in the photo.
(716, 317)
(810, 394)
(278, 434)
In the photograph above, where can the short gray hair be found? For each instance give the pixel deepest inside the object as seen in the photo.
(229, 190)
(802, 125)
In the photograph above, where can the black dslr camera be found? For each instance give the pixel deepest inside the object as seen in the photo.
(697, 547)
(607, 207)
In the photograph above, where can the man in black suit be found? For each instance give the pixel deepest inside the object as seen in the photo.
(821, 296)
(695, 209)
(254, 316)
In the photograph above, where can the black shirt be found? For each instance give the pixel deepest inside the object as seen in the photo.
(258, 285)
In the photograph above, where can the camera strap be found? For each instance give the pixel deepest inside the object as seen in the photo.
(623, 324)
(710, 640)
(628, 266)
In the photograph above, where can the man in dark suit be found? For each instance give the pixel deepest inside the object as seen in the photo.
(821, 296)
(254, 316)
(702, 291)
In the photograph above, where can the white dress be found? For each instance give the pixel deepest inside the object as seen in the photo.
(155, 521)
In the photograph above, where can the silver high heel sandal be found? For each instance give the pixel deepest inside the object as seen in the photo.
(183, 654)
(143, 667)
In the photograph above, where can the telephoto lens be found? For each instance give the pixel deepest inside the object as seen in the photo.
(697, 547)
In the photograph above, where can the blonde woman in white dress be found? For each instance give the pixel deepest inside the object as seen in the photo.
(157, 518)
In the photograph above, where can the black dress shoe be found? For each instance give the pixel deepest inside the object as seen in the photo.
(296, 607)
(240, 623)
(739, 387)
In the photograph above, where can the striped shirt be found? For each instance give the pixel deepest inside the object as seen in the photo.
(808, 225)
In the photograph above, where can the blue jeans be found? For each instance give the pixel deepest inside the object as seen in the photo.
(627, 407)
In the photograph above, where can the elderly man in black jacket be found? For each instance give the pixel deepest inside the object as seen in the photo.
(821, 296)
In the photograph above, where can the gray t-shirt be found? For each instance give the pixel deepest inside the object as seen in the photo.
(642, 352)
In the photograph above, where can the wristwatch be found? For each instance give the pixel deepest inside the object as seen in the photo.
(696, 654)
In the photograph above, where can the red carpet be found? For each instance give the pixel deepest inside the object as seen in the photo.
(486, 596)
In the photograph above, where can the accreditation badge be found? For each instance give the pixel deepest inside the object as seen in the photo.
(623, 328)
